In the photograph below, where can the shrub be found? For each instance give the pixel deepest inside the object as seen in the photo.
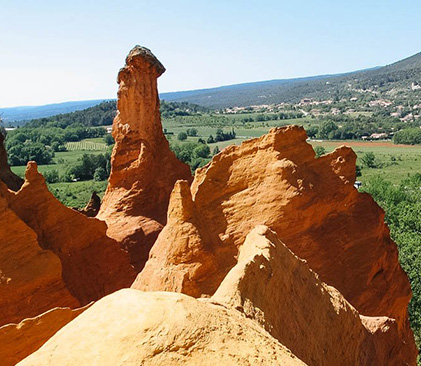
(182, 136)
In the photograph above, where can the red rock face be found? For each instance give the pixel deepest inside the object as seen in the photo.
(235, 234)
(144, 169)
(310, 203)
(93, 265)
(30, 277)
(20, 340)
(52, 255)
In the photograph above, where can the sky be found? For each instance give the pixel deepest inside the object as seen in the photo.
(56, 51)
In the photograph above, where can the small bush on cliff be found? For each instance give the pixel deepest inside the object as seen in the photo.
(319, 150)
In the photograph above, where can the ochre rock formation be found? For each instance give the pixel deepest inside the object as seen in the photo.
(92, 207)
(144, 169)
(272, 256)
(134, 328)
(50, 256)
(11, 180)
(269, 288)
(311, 204)
(30, 277)
(93, 265)
(20, 340)
(277, 289)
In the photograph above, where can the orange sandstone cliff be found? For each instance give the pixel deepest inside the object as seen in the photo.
(50, 256)
(144, 169)
(269, 256)
(270, 309)
(311, 204)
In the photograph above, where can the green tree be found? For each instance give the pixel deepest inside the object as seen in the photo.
(51, 176)
(100, 174)
(201, 151)
(319, 150)
(182, 136)
(326, 128)
(108, 139)
(191, 132)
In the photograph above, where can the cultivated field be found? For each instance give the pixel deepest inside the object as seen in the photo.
(394, 162)
(72, 194)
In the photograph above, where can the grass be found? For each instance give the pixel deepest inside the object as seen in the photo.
(72, 194)
(77, 194)
(395, 162)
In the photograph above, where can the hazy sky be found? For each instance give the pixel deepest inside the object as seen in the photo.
(54, 51)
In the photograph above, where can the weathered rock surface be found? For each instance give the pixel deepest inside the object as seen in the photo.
(310, 203)
(269, 288)
(20, 340)
(93, 265)
(11, 180)
(30, 277)
(271, 285)
(131, 327)
(92, 207)
(52, 256)
(343, 303)
(144, 169)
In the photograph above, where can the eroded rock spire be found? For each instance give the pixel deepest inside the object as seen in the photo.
(144, 169)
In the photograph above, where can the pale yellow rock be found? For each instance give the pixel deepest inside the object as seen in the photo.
(133, 328)
(277, 289)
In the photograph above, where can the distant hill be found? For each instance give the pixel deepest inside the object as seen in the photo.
(31, 112)
(398, 80)
(246, 94)
(103, 114)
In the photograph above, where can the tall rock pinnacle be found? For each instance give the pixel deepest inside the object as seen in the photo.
(144, 169)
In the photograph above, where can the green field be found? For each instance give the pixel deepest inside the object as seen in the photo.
(87, 145)
(72, 194)
(395, 162)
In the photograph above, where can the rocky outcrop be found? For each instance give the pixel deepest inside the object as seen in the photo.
(131, 328)
(30, 277)
(52, 256)
(269, 288)
(11, 180)
(20, 340)
(144, 169)
(92, 207)
(93, 265)
(279, 259)
(310, 203)
(277, 289)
